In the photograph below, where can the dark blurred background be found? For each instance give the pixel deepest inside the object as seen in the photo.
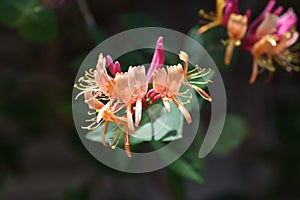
(42, 157)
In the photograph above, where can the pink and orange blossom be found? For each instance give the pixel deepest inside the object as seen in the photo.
(117, 97)
(167, 84)
(269, 37)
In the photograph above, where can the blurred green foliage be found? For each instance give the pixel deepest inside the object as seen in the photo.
(33, 22)
(187, 166)
(233, 135)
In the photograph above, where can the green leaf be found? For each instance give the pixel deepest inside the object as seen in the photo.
(12, 13)
(164, 125)
(184, 169)
(211, 41)
(233, 135)
(136, 20)
(32, 21)
(158, 125)
(188, 166)
(96, 135)
(40, 27)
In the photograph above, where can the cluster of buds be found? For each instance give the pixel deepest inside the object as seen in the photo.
(120, 97)
(268, 38)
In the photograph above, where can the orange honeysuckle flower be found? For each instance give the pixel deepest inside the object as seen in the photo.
(123, 95)
(107, 115)
(269, 38)
(167, 83)
(236, 30)
(98, 87)
(272, 48)
(92, 101)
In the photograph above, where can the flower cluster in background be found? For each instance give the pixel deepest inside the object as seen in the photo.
(120, 97)
(268, 38)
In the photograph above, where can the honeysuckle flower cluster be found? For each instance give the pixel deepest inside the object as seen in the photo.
(268, 37)
(120, 97)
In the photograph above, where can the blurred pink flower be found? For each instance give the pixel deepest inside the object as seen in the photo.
(265, 23)
(286, 23)
(230, 8)
(166, 84)
(269, 36)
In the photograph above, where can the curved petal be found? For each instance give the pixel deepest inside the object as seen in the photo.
(137, 81)
(174, 78)
(101, 63)
(159, 80)
(286, 22)
(267, 26)
(122, 91)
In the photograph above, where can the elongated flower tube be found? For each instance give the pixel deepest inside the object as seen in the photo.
(157, 60)
(263, 46)
(138, 87)
(123, 94)
(107, 115)
(114, 68)
(104, 81)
